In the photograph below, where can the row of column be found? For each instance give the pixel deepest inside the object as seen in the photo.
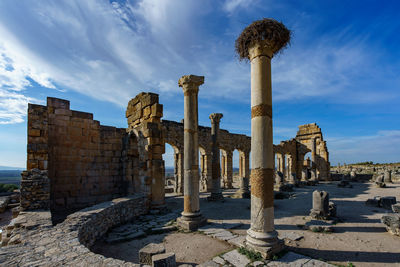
(285, 168)
(261, 236)
(226, 168)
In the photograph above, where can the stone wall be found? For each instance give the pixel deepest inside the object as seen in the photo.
(35, 190)
(33, 241)
(228, 142)
(310, 135)
(144, 120)
(368, 171)
(82, 157)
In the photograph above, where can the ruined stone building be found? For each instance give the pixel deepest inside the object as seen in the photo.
(88, 163)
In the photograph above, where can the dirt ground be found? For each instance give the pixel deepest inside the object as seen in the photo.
(360, 239)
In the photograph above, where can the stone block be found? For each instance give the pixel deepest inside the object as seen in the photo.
(146, 253)
(320, 208)
(396, 208)
(157, 110)
(164, 260)
(387, 202)
(392, 222)
(57, 103)
(235, 258)
(373, 202)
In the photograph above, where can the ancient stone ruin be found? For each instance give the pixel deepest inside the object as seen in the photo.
(85, 182)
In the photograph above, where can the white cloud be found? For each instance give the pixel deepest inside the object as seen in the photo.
(13, 81)
(380, 147)
(114, 51)
(231, 5)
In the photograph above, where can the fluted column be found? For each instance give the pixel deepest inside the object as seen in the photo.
(216, 193)
(191, 217)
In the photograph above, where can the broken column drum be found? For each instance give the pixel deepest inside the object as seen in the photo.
(320, 208)
(258, 43)
(191, 217)
(216, 193)
(387, 176)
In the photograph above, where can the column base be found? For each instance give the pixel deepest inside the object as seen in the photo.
(191, 221)
(215, 197)
(267, 244)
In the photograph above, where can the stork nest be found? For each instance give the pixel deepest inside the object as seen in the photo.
(273, 32)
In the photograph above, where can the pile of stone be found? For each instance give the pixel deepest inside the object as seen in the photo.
(143, 226)
(392, 221)
(154, 255)
(9, 201)
(381, 202)
(35, 190)
(380, 181)
(344, 183)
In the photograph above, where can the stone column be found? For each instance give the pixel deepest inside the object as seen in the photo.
(208, 170)
(262, 236)
(191, 217)
(179, 171)
(283, 165)
(215, 164)
(291, 173)
(223, 171)
(313, 160)
(388, 176)
(258, 43)
(228, 170)
(244, 171)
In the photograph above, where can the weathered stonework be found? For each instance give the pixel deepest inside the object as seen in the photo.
(191, 217)
(35, 190)
(144, 119)
(82, 157)
(33, 241)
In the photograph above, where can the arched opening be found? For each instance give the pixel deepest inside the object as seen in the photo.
(306, 174)
(171, 168)
(226, 168)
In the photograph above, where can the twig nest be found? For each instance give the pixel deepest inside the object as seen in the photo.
(269, 31)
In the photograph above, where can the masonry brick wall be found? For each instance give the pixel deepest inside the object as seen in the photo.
(85, 160)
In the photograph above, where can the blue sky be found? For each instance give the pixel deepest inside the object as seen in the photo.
(340, 71)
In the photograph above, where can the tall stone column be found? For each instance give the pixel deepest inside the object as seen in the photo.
(259, 42)
(216, 193)
(244, 175)
(191, 217)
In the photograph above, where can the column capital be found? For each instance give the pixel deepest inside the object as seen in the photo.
(215, 117)
(190, 83)
(261, 48)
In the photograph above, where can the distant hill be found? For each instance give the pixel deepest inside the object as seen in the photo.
(10, 176)
(10, 168)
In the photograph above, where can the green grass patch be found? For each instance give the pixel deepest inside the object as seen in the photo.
(250, 254)
(8, 187)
